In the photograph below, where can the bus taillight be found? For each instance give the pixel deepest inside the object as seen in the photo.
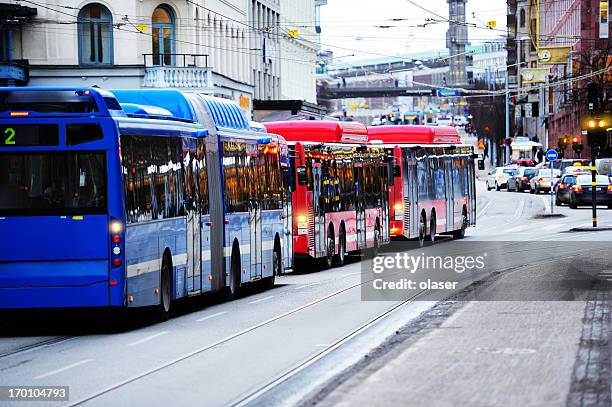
(116, 239)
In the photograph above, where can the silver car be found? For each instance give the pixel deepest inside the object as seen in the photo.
(543, 180)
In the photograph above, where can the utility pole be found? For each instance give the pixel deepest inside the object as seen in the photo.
(507, 140)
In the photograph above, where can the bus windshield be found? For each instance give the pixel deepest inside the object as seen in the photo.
(52, 183)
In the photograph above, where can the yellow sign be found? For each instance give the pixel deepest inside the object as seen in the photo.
(244, 102)
(492, 24)
(293, 33)
(534, 75)
(141, 28)
(553, 55)
(463, 103)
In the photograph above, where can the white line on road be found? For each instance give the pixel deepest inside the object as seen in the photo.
(262, 299)
(305, 286)
(484, 210)
(63, 369)
(519, 210)
(148, 338)
(218, 314)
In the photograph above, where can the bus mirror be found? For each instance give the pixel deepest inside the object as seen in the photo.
(481, 165)
(302, 176)
(397, 172)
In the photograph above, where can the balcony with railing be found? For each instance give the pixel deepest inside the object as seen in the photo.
(183, 71)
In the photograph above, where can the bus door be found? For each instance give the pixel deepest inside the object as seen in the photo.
(471, 189)
(319, 210)
(386, 178)
(449, 193)
(194, 225)
(360, 204)
(288, 188)
(255, 221)
(411, 225)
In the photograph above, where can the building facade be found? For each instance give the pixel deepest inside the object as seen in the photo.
(226, 48)
(299, 47)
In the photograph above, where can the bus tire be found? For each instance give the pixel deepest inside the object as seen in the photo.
(422, 229)
(432, 227)
(163, 310)
(460, 234)
(235, 284)
(330, 250)
(277, 264)
(341, 256)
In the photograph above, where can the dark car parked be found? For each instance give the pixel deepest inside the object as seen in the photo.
(581, 192)
(563, 188)
(519, 181)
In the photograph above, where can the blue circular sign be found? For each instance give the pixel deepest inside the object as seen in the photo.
(552, 155)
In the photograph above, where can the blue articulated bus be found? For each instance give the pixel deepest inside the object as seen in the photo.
(137, 203)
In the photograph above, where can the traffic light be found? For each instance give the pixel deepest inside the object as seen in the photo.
(597, 130)
(593, 96)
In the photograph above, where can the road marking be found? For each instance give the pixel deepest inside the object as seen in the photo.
(148, 338)
(218, 314)
(305, 286)
(518, 228)
(262, 299)
(63, 369)
(519, 210)
(485, 208)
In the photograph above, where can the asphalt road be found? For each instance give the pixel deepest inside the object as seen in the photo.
(268, 347)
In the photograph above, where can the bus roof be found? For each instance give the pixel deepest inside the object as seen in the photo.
(159, 127)
(320, 131)
(57, 102)
(171, 100)
(224, 113)
(414, 134)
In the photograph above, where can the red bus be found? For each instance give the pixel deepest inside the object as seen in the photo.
(339, 189)
(433, 190)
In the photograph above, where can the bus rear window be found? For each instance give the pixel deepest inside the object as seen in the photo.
(54, 101)
(83, 133)
(52, 183)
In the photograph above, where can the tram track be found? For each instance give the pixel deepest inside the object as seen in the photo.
(36, 346)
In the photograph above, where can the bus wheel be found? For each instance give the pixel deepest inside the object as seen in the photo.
(277, 266)
(432, 227)
(422, 230)
(235, 274)
(341, 256)
(165, 300)
(460, 234)
(328, 260)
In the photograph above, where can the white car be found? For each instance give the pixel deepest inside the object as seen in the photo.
(543, 180)
(498, 177)
(445, 121)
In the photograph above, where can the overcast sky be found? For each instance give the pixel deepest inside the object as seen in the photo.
(351, 24)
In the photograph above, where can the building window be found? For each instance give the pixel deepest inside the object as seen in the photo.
(163, 36)
(95, 25)
(603, 19)
(522, 17)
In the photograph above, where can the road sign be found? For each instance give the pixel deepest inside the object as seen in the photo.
(552, 155)
(447, 92)
(492, 24)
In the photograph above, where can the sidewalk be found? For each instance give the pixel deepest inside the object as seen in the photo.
(493, 353)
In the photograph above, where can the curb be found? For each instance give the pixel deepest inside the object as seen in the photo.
(549, 215)
(591, 229)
